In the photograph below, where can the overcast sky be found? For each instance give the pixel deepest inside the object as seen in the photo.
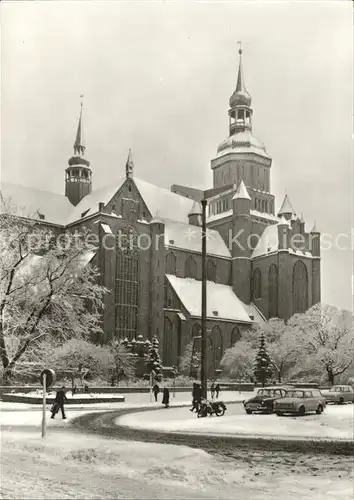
(157, 77)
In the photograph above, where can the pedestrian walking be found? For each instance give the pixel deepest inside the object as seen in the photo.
(166, 397)
(156, 390)
(217, 390)
(60, 398)
(212, 390)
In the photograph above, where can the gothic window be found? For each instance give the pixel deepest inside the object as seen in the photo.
(167, 351)
(218, 346)
(211, 270)
(257, 284)
(170, 263)
(300, 288)
(127, 284)
(273, 291)
(191, 268)
(235, 336)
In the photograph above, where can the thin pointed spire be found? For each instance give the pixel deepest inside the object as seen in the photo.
(240, 85)
(314, 229)
(79, 146)
(129, 166)
(241, 192)
(286, 207)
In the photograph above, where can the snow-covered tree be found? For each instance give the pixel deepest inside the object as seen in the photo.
(238, 360)
(324, 338)
(153, 361)
(123, 360)
(46, 290)
(189, 364)
(262, 369)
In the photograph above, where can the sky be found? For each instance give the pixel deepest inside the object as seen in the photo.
(156, 77)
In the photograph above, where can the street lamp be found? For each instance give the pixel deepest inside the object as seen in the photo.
(203, 371)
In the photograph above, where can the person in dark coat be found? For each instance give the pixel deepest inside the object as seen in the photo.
(196, 397)
(60, 398)
(217, 390)
(156, 390)
(212, 390)
(166, 397)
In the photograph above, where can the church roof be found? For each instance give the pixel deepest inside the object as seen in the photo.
(188, 237)
(221, 300)
(241, 192)
(31, 203)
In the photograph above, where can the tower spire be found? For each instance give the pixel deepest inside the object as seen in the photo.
(79, 146)
(240, 85)
(129, 166)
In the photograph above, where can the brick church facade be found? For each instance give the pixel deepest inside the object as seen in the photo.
(261, 263)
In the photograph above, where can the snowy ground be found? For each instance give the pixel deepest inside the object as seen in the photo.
(336, 422)
(21, 414)
(38, 394)
(69, 465)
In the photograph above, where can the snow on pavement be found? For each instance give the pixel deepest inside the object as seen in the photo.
(335, 423)
(91, 467)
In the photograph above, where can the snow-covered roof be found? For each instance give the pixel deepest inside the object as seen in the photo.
(196, 209)
(242, 142)
(268, 242)
(220, 299)
(188, 237)
(241, 192)
(286, 207)
(159, 200)
(89, 204)
(34, 203)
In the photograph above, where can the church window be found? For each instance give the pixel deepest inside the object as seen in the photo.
(273, 291)
(257, 284)
(127, 284)
(218, 346)
(211, 270)
(300, 287)
(170, 263)
(167, 351)
(191, 268)
(235, 336)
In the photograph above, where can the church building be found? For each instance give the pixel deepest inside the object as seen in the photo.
(261, 262)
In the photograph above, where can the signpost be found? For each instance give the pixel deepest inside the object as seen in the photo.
(47, 378)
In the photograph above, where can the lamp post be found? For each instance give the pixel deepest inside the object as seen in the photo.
(203, 371)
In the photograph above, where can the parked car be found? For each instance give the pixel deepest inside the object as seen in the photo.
(301, 401)
(263, 401)
(339, 394)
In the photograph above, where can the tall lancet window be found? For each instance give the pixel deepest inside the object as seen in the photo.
(300, 288)
(127, 284)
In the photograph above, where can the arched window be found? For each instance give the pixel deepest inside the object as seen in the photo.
(170, 263)
(210, 358)
(127, 284)
(257, 284)
(195, 332)
(191, 268)
(167, 351)
(273, 291)
(216, 336)
(300, 288)
(235, 336)
(211, 270)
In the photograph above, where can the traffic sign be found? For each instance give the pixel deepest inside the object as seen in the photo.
(50, 377)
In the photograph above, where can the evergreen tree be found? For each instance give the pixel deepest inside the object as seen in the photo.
(153, 362)
(262, 368)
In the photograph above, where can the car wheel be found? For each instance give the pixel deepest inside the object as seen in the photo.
(341, 400)
(319, 410)
(220, 412)
(249, 412)
(301, 411)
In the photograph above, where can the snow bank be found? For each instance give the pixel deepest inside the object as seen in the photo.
(335, 423)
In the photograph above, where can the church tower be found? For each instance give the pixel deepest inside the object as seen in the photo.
(242, 157)
(78, 178)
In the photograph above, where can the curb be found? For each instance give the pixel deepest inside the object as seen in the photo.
(104, 423)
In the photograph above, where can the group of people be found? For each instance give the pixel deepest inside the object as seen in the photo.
(165, 395)
(197, 394)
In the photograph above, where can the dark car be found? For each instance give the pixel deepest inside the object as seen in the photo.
(263, 401)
